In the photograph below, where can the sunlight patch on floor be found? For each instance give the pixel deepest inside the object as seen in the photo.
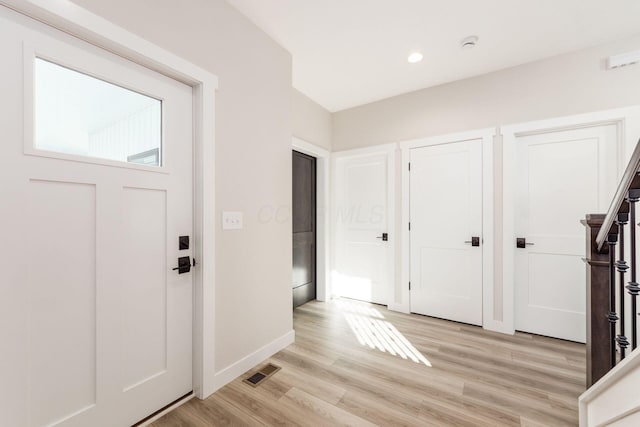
(371, 330)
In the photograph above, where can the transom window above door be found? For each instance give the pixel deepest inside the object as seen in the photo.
(81, 115)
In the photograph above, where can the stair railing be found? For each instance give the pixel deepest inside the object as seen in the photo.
(612, 274)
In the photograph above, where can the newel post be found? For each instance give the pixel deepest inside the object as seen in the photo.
(598, 327)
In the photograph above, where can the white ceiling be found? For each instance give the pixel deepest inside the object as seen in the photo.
(352, 52)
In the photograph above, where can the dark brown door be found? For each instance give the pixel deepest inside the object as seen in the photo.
(304, 228)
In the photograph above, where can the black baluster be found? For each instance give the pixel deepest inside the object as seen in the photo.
(633, 287)
(612, 239)
(622, 267)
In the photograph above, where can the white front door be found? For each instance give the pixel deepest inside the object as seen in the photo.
(446, 231)
(363, 263)
(561, 176)
(96, 185)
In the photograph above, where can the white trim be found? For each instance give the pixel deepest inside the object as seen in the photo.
(238, 368)
(388, 150)
(402, 301)
(85, 25)
(323, 214)
(79, 22)
(628, 122)
(382, 148)
(488, 181)
(447, 138)
(488, 233)
(622, 416)
(308, 148)
(508, 233)
(622, 369)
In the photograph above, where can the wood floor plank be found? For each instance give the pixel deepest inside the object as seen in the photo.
(332, 414)
(179, 419)
(418, 384)
(482, 413)
(356, 381)
(199, 413)
(352, 365)
(318, 387)
(540, 409)
(378, 410)
(434, 412)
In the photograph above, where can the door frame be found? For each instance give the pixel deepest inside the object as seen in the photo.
(487, 139)
(89, 27)
(323, 160)
(388, 150)
(627, 120)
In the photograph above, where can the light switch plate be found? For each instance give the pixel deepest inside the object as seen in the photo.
(231, 220)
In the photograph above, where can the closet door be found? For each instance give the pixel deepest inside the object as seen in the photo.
(561, 176)
(446, 231)
(304, 228)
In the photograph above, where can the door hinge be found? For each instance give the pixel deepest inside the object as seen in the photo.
(409, 166)
(409, 225)
(409, 285)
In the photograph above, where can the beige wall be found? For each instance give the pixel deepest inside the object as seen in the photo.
(311, 122)
(253, 157)
(559, 86)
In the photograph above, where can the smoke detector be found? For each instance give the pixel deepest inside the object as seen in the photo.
(469, 42)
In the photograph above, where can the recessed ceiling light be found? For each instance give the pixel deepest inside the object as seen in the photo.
(415, 57)
(469, 42)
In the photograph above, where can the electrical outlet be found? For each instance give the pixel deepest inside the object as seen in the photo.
(231, 220)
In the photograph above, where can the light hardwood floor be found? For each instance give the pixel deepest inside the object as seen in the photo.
(332, 376)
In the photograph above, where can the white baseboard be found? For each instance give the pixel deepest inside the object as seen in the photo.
(497, 326)
(401, 308)
(489, 325)
(238, 368)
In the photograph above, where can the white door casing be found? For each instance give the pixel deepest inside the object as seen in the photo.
(362, 211)
(561, 176)
(445, 212)
(95, 306)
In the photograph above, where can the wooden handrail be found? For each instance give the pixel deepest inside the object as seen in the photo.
(630, 179)
(613, 291)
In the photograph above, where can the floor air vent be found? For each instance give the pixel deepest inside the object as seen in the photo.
(256, 378)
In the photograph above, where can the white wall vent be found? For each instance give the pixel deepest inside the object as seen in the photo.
(624, 59)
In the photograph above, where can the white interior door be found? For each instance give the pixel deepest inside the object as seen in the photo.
(561, 176)
(446, 215)
(96, 184)
(363, 260)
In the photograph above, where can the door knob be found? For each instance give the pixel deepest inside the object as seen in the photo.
(384, 237)
(475, 241)
(521, 242)
(184, 265)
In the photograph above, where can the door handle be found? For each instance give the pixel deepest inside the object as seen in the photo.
(184, 265)
(475, 241)
(384, 237)
(521, 242)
